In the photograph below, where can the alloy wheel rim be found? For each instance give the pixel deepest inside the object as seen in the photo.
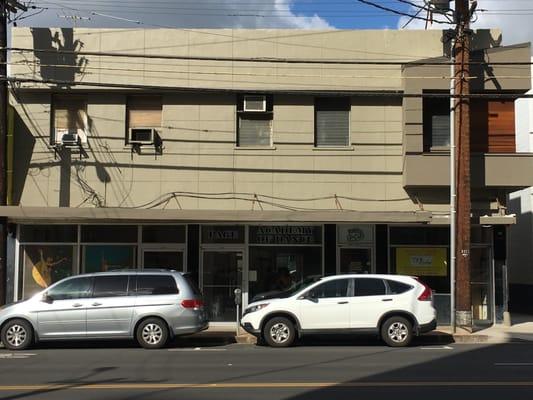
(279, 333)
(152, 333)
(398, 332)
(16, 335)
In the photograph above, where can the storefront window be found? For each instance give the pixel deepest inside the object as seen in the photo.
(277, 268)
(101, 258)
(163, 234)
(109, 233)
(48, 233)
(44, 265)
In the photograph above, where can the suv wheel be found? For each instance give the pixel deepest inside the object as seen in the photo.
(17, 334)
(279, 332)
(152, 333)
(397, 332)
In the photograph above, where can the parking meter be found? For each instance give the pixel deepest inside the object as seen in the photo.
(238, 301)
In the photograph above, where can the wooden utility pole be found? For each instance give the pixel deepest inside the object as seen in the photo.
(463, 300)
(6, 7)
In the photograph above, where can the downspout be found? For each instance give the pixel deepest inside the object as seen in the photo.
(10, 146)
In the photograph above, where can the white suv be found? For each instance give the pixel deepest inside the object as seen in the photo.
(394, 306)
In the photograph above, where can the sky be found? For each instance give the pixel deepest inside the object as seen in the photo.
(514, 17)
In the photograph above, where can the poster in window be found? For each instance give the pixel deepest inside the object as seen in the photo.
(45, 265)
(107, 258)
(421, 261)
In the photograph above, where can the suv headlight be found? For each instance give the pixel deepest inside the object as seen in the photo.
(255, 308)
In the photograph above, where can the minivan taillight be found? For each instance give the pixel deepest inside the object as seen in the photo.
(427, 294)
(194, 303)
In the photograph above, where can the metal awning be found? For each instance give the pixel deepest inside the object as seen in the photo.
(127, 215)
(482, 220)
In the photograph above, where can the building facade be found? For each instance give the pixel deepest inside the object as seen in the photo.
(255, 159)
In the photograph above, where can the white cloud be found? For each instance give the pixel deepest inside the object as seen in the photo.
(515, 28)
(179, 14)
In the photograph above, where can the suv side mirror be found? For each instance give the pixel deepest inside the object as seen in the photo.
(309, 296)
(47, 298)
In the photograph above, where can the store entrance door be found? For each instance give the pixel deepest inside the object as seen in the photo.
(481, 282)
(222, 272)
(355, 260)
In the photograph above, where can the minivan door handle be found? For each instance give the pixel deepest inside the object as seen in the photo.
(386, 299)
(342, 302)
(96, 304)
(77, 305)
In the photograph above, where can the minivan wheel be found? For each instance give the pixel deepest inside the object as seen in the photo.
(279, 332)
(17, 334)
(152, 333)
(397, 332)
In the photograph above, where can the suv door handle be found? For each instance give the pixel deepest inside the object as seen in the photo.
(386, 299)
(342, 302)
(96, 304)
(77, 305)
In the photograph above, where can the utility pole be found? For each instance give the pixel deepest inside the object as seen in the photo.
(463, 300)
(6, 7)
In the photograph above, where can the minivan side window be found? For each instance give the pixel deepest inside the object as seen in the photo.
(75, 288)
(396, 287)
(330, 289)
(155, 284)
(110, 286)
(369, 287)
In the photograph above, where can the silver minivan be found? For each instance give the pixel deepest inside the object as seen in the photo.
(150, 306)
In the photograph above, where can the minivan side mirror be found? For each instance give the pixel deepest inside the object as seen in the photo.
(47, 298)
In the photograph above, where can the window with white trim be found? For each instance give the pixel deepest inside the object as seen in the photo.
(332, 121)
(254, 120)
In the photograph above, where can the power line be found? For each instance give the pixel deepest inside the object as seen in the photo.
(259, 59)
(392, 10)
(354, 93)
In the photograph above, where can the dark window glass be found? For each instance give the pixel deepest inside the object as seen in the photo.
(396, 287)
(76, 288)
(426, 236)
(48, 233)
(369, 287)
(192, 284)
(164, 234)
(110, 286)
(332, 122)
(436, 123)
(335, 288)
(155, 284)
(109, 233)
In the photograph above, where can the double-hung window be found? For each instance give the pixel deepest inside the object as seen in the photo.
(436, 123)
(254, 121)
(69, 120)
(332, 121)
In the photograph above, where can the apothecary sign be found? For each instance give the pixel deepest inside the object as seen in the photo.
(286, 234)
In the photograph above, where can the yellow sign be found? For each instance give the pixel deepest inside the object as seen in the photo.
(425, 261)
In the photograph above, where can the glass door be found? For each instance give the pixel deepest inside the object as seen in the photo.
(163, 258)
(354, 260)
(481, 286)
(221, 275)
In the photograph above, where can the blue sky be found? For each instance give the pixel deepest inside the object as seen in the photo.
(512, 16)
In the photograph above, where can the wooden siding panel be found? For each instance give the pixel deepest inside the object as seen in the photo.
(501, 127)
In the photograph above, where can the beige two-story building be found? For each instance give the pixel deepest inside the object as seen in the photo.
(255, 159)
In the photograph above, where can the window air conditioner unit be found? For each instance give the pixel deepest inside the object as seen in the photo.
(70, 137)
(141, 135)
(254, 103)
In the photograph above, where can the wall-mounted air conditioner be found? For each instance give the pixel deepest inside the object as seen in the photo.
(70, 137)
(141, 135)
(254, 103)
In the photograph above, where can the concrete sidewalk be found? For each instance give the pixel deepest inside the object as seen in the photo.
(521, 330)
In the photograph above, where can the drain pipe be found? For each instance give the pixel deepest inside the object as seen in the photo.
(453, 189)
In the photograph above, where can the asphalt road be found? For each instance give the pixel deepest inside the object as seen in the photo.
(359, 369)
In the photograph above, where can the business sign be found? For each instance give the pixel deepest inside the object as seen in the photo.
(423, 261)
(279, 234)
(355, 234)
(222, 234)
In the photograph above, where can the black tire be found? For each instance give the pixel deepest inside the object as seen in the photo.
(397, 332)
(279, 332)
(152, 333)
(17, 334)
